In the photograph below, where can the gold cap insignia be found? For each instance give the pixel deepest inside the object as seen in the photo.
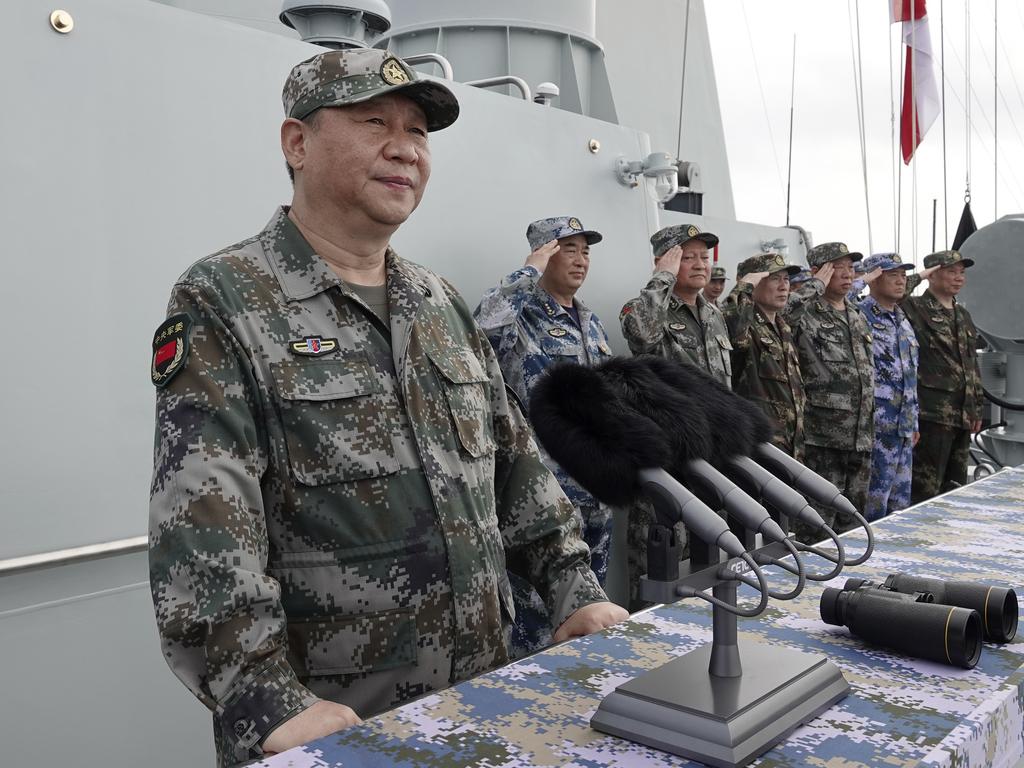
(843, 248)
(692, 231)
(574, 223)
(392, 72)
(779, 260)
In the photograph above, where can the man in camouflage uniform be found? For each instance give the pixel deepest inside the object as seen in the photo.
(894, 347)
(534, 319)
(670, 317)
(834, 344)
(341, 483)
(716, 287)
(766, 367)
(949, 380)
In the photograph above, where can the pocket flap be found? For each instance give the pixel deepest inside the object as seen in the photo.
(832, 400)
(460, 366)
(324, 379)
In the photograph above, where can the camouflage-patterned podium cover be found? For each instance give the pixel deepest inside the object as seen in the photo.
(900, 712)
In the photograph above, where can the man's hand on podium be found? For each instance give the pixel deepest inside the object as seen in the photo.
(321, 719)
(590, 618)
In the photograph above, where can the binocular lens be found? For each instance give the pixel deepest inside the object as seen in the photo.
(996, 605)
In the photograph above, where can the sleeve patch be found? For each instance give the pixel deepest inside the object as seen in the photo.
(170, 348)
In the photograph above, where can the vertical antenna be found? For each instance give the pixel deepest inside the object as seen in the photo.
(682, 86)
(792, 96)
(945, 186)
(935, 205)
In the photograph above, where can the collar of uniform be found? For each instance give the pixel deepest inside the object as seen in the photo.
(879, 311)
(675, 302)
(935, 304)
(296, 265)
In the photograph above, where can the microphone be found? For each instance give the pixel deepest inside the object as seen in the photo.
(614, 452)
(791, 471)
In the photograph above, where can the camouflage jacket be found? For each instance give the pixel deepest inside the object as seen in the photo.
(333, 500)
(766, 367)
(530, 331)
(894, 346)
(948, 379)
(658, 322)
(837, 367)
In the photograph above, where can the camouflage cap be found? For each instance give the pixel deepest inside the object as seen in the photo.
(667, 237)
(946, 259)
(340, 78)
(557, 227)
(885, 262)
(800, 277)
(766, 262)
(826, 252)
(717, 273)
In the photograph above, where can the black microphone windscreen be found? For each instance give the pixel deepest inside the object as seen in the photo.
(601, 443)
(679, 414)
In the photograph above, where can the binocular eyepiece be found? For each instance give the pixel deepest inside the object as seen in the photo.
(910, 623)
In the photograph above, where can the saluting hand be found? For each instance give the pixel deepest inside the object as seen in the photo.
(321, 719)
(925, 272)
(753, 278)
(825, 272)
(590, 618)
(542, 255)
(669, 260)
(870, 277)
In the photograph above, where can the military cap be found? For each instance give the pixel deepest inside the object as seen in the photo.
(946, 259)
(800, 277)
(545, 230)
(717, 273)
(766, 262)
(885, 262)
(340, 78)
(667, 237)
(826, 252)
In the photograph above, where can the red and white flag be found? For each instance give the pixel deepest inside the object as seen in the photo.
(921, 103)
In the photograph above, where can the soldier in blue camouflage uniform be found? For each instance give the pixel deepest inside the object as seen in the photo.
(894, 347)
(670, 317)
(716, 287)
(834, 343)
(534, 319)
(949, 379)
(765, 362)
(340, 483)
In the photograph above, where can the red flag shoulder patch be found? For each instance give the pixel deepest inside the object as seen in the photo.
(170, 348)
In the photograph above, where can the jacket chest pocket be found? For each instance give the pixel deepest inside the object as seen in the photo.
(771, 365)
(833, 347)
(335, 420)
(561, 351)
(467, 393)
(725, 349)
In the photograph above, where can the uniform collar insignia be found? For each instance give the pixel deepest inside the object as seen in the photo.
(313, 346)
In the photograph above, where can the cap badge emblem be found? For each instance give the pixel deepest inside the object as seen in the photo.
(692, 231)
(392, 73)
(843, 248)
(779, 260)
(574, 223)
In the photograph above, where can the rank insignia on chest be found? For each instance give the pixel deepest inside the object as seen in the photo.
(878, 326)
(828, 326)
(557, 332)
(767, 340)
(170, 349)
(677, 326)
(936, 319)
(313, 346)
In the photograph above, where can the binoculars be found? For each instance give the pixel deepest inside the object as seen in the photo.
(927, 618)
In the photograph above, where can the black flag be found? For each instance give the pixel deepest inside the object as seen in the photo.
(966, 228)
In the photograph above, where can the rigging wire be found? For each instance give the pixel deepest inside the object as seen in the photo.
(913, 135)
(995, 108)
(899, 165)
(967, 95)
(792, 99)
(895, 159)
(682, 85)
(942, 65)
(764, 104)
(858, 87)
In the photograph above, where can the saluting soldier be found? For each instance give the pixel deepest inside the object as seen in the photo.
(766, 367)
(716, 286)
(534, 318)
(949, 380)
(834, 344)
(895, 353)
(670, 317)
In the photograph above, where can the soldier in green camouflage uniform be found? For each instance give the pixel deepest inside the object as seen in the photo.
(766, 367)
(670, 317)
(836, 362)
(340, 481)
(716, 287)
(948, 381)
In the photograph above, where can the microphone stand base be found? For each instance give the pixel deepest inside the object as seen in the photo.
(722, 721)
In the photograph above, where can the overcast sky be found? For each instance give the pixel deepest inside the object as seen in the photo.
(753, 43)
